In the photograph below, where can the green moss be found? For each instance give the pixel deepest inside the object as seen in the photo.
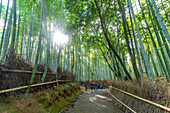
(53, 100)
(5, 107)
(58, 105)
(15, 111)
(44, 101)
(65, 98)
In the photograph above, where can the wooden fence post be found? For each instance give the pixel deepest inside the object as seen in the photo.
(168, 90)
(57, 78)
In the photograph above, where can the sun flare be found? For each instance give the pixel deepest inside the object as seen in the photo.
(60, 38)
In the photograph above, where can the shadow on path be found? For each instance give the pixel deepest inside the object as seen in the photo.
(93, 102)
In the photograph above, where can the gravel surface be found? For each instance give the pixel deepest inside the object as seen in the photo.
(93, 102)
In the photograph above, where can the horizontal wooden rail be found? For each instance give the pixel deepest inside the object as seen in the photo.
(24, 87)
(121, 102)
(29, 72)
(142, 99)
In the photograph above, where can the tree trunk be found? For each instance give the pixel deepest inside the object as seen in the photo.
(23, 32)
(109, 43)
(141, 44)
(3, 33)
(14, 28)
(161, 21)
(17, 39)
(138, 57)
(37, 55)
(0, 8)
(7, 36)
(47, 38)
(166, 60)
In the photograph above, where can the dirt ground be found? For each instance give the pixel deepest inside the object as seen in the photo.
(93, 102)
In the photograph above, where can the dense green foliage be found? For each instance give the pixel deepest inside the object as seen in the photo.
(108, 39)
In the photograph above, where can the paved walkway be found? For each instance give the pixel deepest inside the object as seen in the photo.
(93, 102)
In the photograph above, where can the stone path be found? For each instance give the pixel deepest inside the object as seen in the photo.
(93, 102)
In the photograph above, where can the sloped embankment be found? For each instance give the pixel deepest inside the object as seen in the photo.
(50, 100)
(9, 78)
(156, 93)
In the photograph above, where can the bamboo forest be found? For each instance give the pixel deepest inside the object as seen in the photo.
(84, 56)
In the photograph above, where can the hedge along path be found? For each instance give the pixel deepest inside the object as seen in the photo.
(142, 99)
(34, 85)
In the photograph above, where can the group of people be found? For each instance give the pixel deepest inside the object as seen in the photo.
(93, 85)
